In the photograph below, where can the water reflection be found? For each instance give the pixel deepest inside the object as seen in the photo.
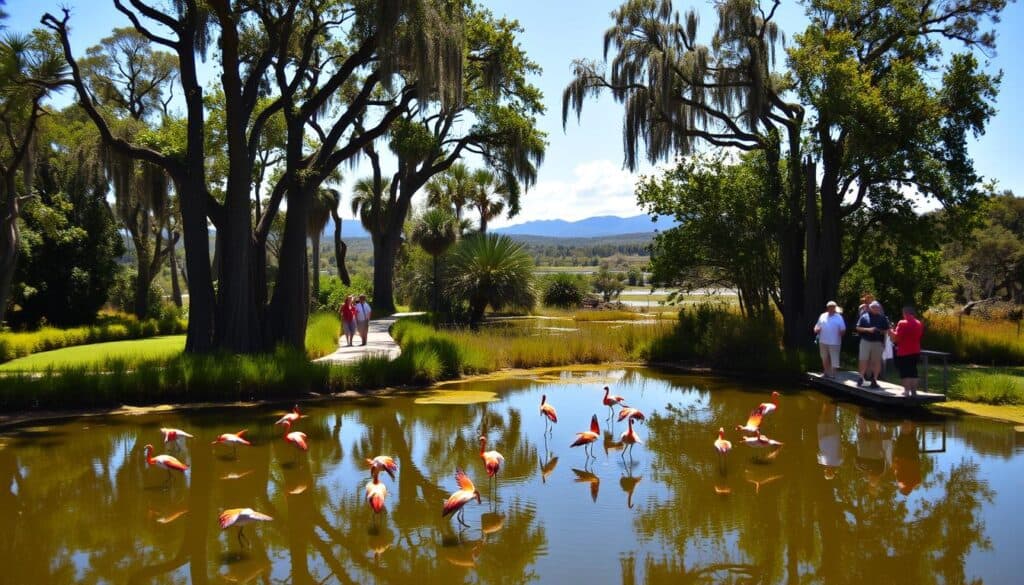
(854, 496)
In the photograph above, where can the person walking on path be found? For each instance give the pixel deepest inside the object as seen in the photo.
(830, 329)
(348, 319)
(907, 337)
(363, 312)
(873, 326)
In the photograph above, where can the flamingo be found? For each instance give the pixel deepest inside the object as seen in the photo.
(240, 517)
(492, 460)
(291, 417)
(383, 463)
(758, 414)
(234, 439)
(548, 411)
(723, 446)
(770, 407)
(166, 461)
(586, 438)
(610, 400)
(297, 438)
(761, 441)
(176, 436)
(376, 492)
(629, 438)
(466, 493)
(630, 413)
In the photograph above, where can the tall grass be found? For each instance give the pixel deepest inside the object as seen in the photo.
(989, 386)
(322, 332)
(111, 327)
(722, 338)
(974, 340)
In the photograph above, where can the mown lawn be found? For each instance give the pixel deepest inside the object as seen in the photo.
(133, 350)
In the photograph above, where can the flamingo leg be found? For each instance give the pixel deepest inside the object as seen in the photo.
(460, 517)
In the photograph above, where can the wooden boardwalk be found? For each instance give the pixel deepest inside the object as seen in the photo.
(845, 383)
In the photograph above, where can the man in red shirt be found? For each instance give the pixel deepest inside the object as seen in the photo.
(907, 337)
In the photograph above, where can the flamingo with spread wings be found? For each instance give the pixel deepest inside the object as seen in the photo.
(466, 493)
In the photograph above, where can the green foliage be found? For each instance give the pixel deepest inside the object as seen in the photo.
(725, 234)
(122, 295)
(989, 262)
(110, 327)
(491, 270)
(989, 387)
(333, 292)
(563, 290)
(608, 284)
(322, 332)
(720, 338)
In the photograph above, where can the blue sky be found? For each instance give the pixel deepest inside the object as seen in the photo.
(582, 175)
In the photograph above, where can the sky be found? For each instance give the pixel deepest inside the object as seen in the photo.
(583, 175)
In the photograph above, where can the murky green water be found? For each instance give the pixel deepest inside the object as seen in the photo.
(909, 501)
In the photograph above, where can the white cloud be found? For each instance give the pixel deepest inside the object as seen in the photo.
(598, 187)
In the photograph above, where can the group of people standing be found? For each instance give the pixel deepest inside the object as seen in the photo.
(355, 316)
(874, 328)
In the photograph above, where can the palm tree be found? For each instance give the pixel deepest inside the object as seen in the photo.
(453, 189)
(491, 270)
(319, 212)
(435, 232)
(486, 184)
(365, 193)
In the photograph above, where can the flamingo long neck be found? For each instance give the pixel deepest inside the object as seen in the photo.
(483, 445)
(543, 399)
(149, 455)
(287, 428)
(606, 391)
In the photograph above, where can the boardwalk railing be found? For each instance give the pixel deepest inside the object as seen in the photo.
(925, 354)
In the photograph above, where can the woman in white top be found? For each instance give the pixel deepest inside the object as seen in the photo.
(830, 329)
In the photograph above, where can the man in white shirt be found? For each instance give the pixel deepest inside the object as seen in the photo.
(363, 311)
(830, 329)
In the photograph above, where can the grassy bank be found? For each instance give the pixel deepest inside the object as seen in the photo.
(127, 353)
(109, 327)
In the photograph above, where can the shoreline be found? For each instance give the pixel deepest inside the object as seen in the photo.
(1013, 414)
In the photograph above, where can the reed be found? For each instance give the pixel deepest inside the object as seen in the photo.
(995, 342)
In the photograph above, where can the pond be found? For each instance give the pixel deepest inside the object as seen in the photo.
(852, 496)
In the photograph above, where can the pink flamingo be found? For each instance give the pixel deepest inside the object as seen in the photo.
(240, 517)
(383, 463)
(233, 439)
(297, 438)
(629, 438)
(548, 411)
(291, 417)
(586, 438)
(466, 493)
(168, 462)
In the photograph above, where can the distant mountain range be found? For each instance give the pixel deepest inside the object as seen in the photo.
(592, 227)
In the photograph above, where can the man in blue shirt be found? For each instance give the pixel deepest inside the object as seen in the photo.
(873, 326)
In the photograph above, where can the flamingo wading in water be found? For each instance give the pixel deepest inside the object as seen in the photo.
(629, 438)
(175, 436)
(492, 461)
(723, 446)
(297, 438)
(548, 412)
(291, 417)
(630, 413)
(761, 441)
(610, 400)
(233, 439)
(376, 492)
(383, 463)
(166, 461)
(240, 517)
(466, 493)
(587, 438)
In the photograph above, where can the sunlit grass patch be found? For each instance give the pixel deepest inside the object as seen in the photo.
(127, 353)
(975, 340)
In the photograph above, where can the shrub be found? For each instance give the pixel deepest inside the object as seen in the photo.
(109, 327)
(563, 290)
(990, 387)
(322, 332)
(333, 292)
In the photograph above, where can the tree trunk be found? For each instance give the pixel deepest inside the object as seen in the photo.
(315, 275)
(385, 251)
(8, 251)
(340, 250)
(483, 222)
(142, 280)
(172, 261)
(812, 229)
